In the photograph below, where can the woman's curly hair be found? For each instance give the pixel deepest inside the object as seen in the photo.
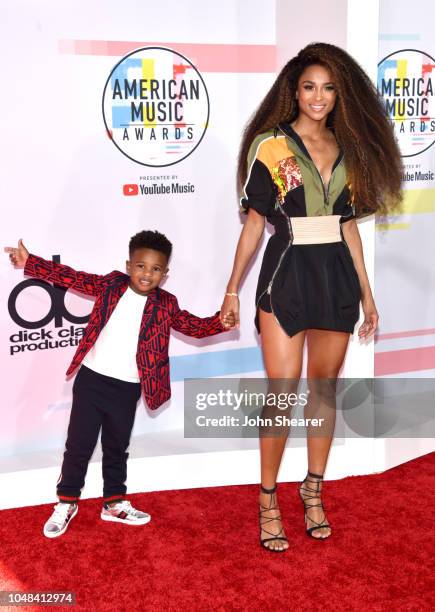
(359, 120)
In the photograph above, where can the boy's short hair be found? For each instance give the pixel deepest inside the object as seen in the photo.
(148, 239)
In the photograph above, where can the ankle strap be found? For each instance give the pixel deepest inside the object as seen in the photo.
(268, 491)
(320, 477)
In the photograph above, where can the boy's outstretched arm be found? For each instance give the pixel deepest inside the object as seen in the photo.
(198, 327)
(34, 266)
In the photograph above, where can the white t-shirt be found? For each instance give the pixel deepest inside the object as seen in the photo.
(114, 352)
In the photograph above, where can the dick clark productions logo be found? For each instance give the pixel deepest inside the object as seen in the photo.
(155, 106)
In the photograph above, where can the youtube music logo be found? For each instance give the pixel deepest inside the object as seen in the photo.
(130, 190)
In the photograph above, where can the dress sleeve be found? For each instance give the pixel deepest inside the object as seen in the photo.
(354, 214)
(258, 190)
(348, 214)
(351, 210)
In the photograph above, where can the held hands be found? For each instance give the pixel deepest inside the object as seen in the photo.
(230, 312)
(18, 256)
(228, 320)
(371, 319)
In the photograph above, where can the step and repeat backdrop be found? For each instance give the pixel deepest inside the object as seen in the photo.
(405, 252)
(117, 121)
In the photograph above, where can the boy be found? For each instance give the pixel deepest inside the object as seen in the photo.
(123, 352)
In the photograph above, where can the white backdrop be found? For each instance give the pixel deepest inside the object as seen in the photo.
(405, 275)
(70, 198)
(64, 196)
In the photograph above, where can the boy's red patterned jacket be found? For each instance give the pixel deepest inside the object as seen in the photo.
(161, 313)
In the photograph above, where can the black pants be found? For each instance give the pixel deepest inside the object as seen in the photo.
(99, 403)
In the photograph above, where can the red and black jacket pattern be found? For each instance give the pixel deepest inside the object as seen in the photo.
(161, 313)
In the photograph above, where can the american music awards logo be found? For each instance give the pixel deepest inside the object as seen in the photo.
(405, 81)
(155, 106)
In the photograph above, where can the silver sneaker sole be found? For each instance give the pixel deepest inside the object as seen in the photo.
(62, 531)
(115, 519)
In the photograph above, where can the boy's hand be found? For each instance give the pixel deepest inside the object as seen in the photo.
(228, 320)
(19, 255)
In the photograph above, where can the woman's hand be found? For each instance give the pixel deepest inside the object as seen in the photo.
(230, 304)
(18, 256)
(371, 319)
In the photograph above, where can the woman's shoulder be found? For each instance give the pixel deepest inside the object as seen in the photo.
(265, 144)
(259, 139)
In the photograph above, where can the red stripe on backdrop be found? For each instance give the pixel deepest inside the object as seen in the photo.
(406, 360)
(406, 334)
(207, 58)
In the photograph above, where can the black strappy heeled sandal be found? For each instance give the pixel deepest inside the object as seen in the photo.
(265, 520)
(307, 494)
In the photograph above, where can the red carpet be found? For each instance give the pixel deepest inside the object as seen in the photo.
(201, 551)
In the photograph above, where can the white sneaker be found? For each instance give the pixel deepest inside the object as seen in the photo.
(58, 522)
(123, 512)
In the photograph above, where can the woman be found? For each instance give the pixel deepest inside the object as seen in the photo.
(318, 153)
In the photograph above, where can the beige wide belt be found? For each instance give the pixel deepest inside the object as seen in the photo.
(316, 230)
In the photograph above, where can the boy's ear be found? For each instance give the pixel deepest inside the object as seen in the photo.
(127, 266)
(165, 273)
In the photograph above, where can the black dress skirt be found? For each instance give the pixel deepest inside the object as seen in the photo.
(315, 286)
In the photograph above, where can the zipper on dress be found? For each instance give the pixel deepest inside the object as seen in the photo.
(268, 290)
(269, 287)
(325, 190)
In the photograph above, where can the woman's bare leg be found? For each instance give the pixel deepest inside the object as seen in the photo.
(282, 357)
(326, 353)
